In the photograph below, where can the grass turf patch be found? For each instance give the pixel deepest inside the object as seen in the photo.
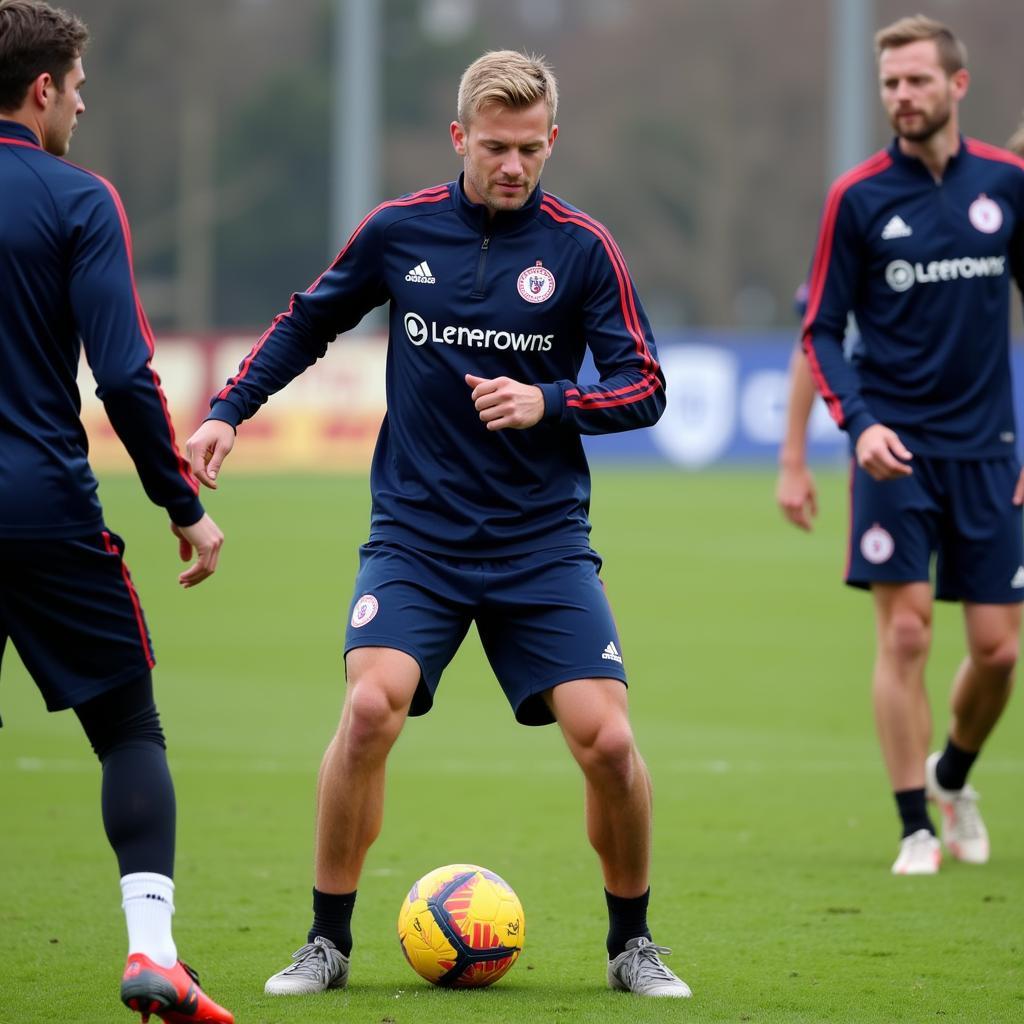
(774, 827)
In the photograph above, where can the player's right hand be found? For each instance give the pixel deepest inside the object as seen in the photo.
(797, 495)
(206, 539)
(207, 448)
(881, 453)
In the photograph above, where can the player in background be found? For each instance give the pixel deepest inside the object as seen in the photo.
(480, 490)
(795, 490)
(66, 598)
(920, 242)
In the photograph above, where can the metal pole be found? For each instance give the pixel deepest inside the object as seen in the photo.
(356, 116)
(851, 85)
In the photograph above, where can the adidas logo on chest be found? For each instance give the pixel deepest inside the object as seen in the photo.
(897, 227)
(421, 274)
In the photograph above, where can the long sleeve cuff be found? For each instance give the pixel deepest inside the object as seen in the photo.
(186, 511)
(226, 411)
(554, 400)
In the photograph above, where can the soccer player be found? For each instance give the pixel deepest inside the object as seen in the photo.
(66, 598)
(920, 241)
(795, 489)
(480, 490)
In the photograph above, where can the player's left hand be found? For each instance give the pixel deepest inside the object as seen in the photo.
(206, 539)
(797, 495)
(1018, 491)
(505, 403)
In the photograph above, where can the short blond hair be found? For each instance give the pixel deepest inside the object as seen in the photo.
(952, 53)
(507, 78)
(1016, 141)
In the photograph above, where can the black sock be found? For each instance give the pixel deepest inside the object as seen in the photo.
(913, 811)
(332, 918)
(952, 768)
(627, 919)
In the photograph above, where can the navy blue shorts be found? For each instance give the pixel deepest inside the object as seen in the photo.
(543, 618)
(959, 511)
(72, 613)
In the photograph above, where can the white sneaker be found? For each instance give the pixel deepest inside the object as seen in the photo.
(963, 831)
(920, 854)
(316, 967)
(639, 969)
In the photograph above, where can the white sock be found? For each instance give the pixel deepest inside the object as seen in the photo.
(148, 902)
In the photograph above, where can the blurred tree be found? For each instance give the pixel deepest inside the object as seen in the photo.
(273, 241)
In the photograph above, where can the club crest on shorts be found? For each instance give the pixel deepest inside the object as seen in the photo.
(536, 284)
(985, 214)
(364, 611)
(877, 545)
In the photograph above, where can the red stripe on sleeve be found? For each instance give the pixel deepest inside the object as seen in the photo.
(603, 400)
(819, 267)
(631, 318)
(564, 215)
(435, 194)
(989, 152)
(823, 253)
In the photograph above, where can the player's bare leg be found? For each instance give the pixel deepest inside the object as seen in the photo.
(350, 810)
(980, 692)
(903, 620)
(350, 789)
(594, 719)
(985, 678)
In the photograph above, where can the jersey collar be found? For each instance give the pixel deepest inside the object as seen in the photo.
(915, 166)
(15, 131)
(475, 214)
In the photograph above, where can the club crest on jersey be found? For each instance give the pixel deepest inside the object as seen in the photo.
(536, 284)
(985, 214)
(877, 545)
(364, 611)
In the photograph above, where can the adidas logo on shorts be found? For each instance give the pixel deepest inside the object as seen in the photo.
(611, 653)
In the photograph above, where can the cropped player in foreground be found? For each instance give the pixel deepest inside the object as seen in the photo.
(66, 599)
(480, 490)
(920, 242)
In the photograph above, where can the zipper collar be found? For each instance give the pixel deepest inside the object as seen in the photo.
(914, 165)
(503, 222)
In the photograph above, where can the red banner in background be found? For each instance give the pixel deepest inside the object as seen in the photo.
(326, 420)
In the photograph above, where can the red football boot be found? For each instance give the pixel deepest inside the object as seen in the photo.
(172, 993)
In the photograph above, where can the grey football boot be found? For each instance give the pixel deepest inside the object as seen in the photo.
(315, 967)
(639, 969)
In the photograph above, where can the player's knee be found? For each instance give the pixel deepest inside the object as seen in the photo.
(370, 720)
(907, 636)
(123, 717)
(998, 659)
(611, 752)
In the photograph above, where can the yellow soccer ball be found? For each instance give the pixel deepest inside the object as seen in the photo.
(461, 926)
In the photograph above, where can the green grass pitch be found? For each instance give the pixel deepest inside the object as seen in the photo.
(774, 827)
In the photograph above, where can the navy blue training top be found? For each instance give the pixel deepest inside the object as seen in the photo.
(66, 280)
(522, 296)
(925, 267)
